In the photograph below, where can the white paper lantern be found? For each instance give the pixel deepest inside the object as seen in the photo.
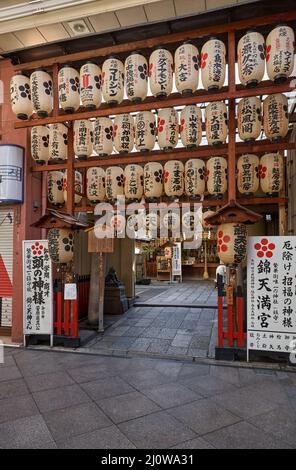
(136, 77)
(90, 85)
(174, 178)
(78, 187)
(271, 172)
(213, 64)
(194, 178)
(133, 182)
(251, 58)
(83, 138)
(249, 118)
(114, 182)
(123, 133)
(41, 90)
(58, 142)
(167, 128)
(204, 216)
(96, 184)
(20, 96)
(216, 122)
(113, 80)
(186, 68)
(191, 126)
(103, 136)
(217, 176)
(280, 45)
(40, 144)
(68, 83)
(275, 116)
(232, 243)
(12, 174)
(161, 72)
(55, 194)
(61, 245)
(153, 180)
(248, 174)
(145, 131)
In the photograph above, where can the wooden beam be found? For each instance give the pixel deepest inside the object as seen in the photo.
(165, 39)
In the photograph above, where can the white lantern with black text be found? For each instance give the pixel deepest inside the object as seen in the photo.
(251, 58)
(103, 136)
(133, 182)
(41, 90)
(191, 126)
(249, 118)
(194, 178)
(167, 128)
(114, 182)
(83, 138)
(216, 176)
(58, 142)
(61, 245)
(145, 131)
(113, 80)
(123, 133)
(55, 194)
(153, 180)
(280, 44)
(232, 243)
(20, 96)
(68, 83)
(248, 174)
(213, 64)
(90, 85)
(275, 116)
(216, 122)
(40, 144)
(173, 178)
(96, 184)
(78, 187)
(186, 68)
(136, 77)
(271, 172)
(161, 72)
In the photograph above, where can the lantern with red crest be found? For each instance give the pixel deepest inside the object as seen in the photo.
(280, 45)
(136, 77)
(248, 174)
(232, 243)
(213, 64)
(90, 85)
(168, 128)
(271, 172)
(145, 131)
(173, 179)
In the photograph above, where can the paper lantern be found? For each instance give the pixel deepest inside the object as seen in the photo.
(117, 224)
(20, 96)
(186, 68)
(206, 225)
(213, 64)
(55, 192)
(78, 187)
(145, 131)
(161, 72)
(153, 181)
(40, 144)
(68, 82)
(191, 126)
(96, 184)
(251, 58)
(275, 116)
(103, 136)
(136, 77)
(90, 85)
(170, 221)
(232, 243)
(280, 53)
(114, 182)
(173, 178)
(11, 174)
(271, 173)
(113, 80)
(83, 138)
(123, 133)
(216, 122)
(249, 118)
(152, 223)
(61, 245)
(248, 174)
(133, 182)
(135, 225)
(194, 178)
(41, 90)
(168, 128)
(216, 176)
(58, 142)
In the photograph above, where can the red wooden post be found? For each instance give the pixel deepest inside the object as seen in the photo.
(66, 316)
(240, 322)
(230, 324)
(59, 307)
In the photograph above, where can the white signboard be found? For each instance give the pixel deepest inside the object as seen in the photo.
(37, 269)
(271, 293)
(70, 291)
(176, 260)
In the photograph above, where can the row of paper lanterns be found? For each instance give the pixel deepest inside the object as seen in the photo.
(173, 180)
(50, 142)
(91, 84)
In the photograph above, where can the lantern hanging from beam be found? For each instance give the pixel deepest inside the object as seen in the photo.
(41, 89)
(133, 182)
(232, 243)
(173, 178)
(69, 85)
(114, 182)
(20, 96)
(248, 174)
(136, 77)
(58, 142)
(213, 64)
(90, 85)
(83, 138)
(61, 245)
(153, 181)
(40, 144)
(206, 225)
(271, 172)
(103, 136)
(280, 45)
(194, 178)
(275, 116)
(78, 187)
(191, 126)
(216, 176)
(145, 131)
(167, 128)
(161, 72)
(55, 192)
(186, 68)
(251, 58)
(249, 118)
(113, 80)
(123, 133)
(96, 184)
(216, 123)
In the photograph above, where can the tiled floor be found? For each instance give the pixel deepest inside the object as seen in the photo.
(173, 331)
(71, 400)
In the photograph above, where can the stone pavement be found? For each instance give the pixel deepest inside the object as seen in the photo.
(71, 400)
(173, 331)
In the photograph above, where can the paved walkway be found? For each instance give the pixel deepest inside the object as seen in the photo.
(70, 400)
(174, 332)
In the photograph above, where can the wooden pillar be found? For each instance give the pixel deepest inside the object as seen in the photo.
(70, 171)
(231, 119)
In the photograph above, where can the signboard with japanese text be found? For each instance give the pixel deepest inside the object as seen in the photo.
(38, 297)
(271, 293)
(176, 260)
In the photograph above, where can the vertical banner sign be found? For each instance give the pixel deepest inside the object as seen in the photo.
(176, 260)
(271, 293)
(37, 269)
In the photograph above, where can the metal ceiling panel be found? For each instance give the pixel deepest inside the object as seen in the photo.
(185, 7)
(9, 42)
(131, 16)
(164, 10)
(53, 32)
(104, 22)
(30, 37)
